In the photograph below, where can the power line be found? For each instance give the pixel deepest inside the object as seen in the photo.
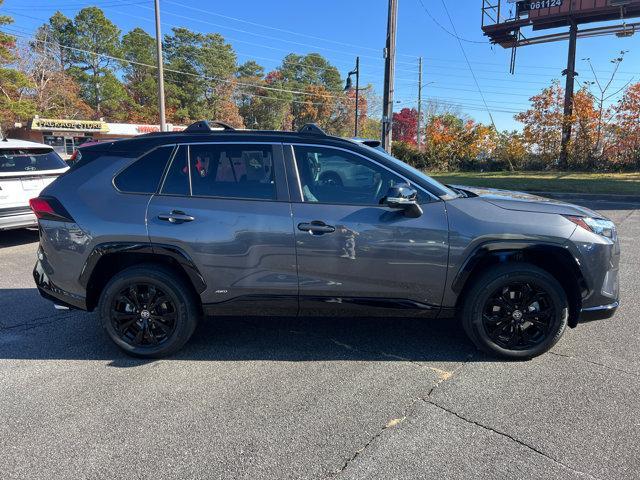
(110, 3)
(454, 33)
(255, 24)
(464, 53)
(215, 79)
(255, 34)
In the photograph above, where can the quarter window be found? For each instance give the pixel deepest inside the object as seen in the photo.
(334, 176)
(177, 180)
(145, 174)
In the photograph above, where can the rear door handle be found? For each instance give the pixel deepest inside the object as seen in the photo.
(176, 217)
(316, 228)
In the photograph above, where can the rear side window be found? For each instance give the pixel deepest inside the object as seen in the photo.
(223, 171)
(29, 160)
(232, 171)
(145, 174)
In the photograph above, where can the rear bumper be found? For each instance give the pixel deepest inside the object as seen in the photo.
(601, 312)
(9, 221)
(49, 291)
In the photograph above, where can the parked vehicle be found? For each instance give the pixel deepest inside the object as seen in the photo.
(25, 169)
(156, 232)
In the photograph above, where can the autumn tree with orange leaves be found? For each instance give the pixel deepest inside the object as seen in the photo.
(626, 149)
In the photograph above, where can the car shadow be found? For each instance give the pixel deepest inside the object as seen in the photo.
(13, 238)
(47, 334)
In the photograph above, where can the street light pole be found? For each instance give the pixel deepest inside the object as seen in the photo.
(163, 122)
(355, 131)
(349, 86)
(389, 74)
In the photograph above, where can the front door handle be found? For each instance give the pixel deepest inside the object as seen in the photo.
(316, 228)
(176, 217)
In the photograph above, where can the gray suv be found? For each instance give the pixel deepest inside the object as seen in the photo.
(157, 232)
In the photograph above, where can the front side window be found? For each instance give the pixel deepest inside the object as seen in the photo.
(232, 171)
(145, 174)
(335, 176)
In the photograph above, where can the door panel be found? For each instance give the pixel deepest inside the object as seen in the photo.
(376, 257)
(353, 253)
(244, 248)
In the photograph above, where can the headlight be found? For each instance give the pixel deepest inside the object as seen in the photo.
(606, 228)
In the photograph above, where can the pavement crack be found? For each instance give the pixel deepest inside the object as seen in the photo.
(510, 437)
(407, 411)
(591, 362)
(390, 424)
(32, 325)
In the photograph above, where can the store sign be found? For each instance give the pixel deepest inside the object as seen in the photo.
(156, 128)
(69, 125)
(132, 129)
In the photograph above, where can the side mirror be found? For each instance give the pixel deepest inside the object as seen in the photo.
(403, 197)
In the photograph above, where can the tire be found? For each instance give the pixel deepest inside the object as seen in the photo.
(154, 330)
(515, 311)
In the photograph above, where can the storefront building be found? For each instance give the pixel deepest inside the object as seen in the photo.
(66, 135)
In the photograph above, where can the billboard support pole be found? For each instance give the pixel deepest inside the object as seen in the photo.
(570, 73)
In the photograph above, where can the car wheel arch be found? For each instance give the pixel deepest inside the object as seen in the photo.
(106, 260)
(553, 258)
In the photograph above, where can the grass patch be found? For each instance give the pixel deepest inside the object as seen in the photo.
(603, 183)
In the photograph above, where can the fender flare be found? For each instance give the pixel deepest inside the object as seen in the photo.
(505, 250)
(170, 251)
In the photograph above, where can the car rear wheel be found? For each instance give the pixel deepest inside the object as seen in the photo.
(148, 311)
(515, 311)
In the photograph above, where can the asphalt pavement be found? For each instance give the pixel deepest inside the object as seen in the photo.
(253, 398)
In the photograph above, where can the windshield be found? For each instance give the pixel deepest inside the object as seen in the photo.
(443, 189)
(29, 160)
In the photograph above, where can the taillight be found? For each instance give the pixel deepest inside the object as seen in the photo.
(49, 208)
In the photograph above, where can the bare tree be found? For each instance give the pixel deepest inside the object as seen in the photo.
(53, 91)
(604, 96)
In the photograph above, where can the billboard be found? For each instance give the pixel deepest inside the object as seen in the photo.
(503, 19)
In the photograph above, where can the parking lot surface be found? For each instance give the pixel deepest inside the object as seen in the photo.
(254, 398)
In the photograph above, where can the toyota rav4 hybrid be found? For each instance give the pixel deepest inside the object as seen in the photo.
(157, 232)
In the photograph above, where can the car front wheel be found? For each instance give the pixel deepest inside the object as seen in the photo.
(515, 311)
(148, 311)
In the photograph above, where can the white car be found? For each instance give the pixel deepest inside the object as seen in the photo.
(25, 169)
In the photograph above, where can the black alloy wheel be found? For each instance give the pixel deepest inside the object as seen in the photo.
(518, 316)
(515, 310)
(149, 310)
(143, 315)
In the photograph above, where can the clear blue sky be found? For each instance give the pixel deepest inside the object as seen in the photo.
(340, 30)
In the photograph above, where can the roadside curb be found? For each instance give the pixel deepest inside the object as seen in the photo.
(590, 196)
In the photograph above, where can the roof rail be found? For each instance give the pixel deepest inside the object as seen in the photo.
(312, 129)
(205, 126)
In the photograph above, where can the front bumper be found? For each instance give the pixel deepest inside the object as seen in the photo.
(601, 312)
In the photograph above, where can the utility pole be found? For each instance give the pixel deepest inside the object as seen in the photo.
(163, 122)
(419, 135)
(389, 75)
(570, 72)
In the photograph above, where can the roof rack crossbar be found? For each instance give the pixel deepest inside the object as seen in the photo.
(206, 126)
(312, 129)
